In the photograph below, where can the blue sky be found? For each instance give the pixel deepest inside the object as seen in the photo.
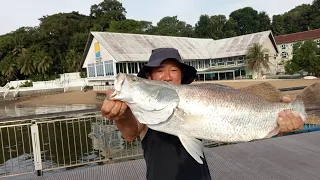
(17, 13)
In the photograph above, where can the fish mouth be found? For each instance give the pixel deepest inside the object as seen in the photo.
(121, 85)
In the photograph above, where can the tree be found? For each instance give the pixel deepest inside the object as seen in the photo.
(130, 26)
(306, 57)
(42, 61)
(105, 12)
(204, 27)
(256, 59)
(250, 21)
(277, 26)
(25, 62)
(171, 26)
(210, 26)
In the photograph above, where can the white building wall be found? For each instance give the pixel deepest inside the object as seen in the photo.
(272, 52)
(91, 56)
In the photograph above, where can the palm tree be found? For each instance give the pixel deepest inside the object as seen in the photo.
(25, 62)
(8, 67)
(256, 59)
(73, 61)
(42, 61)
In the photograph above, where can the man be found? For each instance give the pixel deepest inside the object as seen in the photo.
(164, 155)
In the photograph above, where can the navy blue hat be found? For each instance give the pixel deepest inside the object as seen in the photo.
(161, 54)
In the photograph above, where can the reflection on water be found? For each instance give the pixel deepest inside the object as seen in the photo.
(19, 110)
(106, 138)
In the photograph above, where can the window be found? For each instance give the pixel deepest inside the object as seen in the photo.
(284, 55)
(241, 60)
(121, 67)
(108, 68)
(207, 63)
(221, 62)
(212, 62)
(99, 67)
(266, 56)
(133, 67)
(230, 61)
(91, 70)
(141, 64)
(201, 64)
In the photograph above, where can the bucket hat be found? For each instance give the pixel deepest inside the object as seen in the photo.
(160, 54)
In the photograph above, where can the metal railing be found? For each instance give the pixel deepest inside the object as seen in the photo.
(6, 90)
(83, 86)
(16, 91)
(38, 145)
(102, 87)
(66, 85)
(52, 143)
(16, 148)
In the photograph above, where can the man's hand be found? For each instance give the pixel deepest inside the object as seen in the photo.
(287, 120)
(113, 109)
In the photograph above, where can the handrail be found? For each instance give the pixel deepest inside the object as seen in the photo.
(6, 90)
(16, 91)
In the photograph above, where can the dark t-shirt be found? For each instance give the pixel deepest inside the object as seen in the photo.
(166, 159)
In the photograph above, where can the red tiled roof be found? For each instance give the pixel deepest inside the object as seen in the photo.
(299, 36)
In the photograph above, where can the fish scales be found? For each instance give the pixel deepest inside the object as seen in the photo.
(222, 116)
(202, 111)
(228, 115)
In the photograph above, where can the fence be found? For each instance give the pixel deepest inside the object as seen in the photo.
(62, 143)
(45, 144)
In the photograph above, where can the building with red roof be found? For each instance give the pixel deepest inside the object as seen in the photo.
(285, 45)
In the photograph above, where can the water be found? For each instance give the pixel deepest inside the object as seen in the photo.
(23, 110)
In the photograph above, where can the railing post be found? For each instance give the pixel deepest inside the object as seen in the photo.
(36, 149)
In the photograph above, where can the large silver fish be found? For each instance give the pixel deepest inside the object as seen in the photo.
(201, 111)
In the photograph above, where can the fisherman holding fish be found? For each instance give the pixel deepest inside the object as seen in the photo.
(165, 155)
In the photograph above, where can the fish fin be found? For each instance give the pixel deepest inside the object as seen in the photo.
(272, 133)
(298, 106)
(310, 97)
(193, 146)
(157, 109)
(153, 116)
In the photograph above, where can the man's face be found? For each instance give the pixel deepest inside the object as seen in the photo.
(169, 71)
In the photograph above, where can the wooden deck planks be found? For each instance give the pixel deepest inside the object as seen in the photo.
(294, 157)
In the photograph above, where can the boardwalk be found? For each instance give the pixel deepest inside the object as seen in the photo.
(295, 157)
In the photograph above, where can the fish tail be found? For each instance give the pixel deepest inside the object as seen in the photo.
(298, 106)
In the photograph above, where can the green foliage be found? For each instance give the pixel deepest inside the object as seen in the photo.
(27, 84)
(56, 46)
(306, 57)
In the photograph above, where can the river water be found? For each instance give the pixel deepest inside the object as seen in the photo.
(9, 111)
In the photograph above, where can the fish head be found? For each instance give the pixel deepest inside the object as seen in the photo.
(150, 101)
(124, 87)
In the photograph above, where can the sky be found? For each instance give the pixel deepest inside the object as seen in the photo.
(17, 13)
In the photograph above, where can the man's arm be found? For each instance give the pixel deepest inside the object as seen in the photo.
(118, 111)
